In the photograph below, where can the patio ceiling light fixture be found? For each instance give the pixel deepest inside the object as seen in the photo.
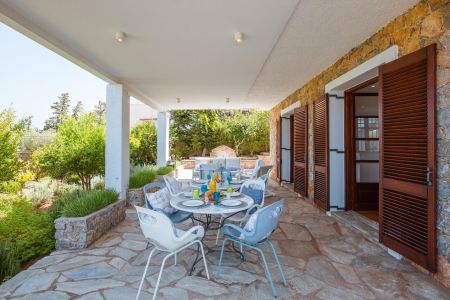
(178, 100)
(120, 36)
(228, 100)
(238, 37)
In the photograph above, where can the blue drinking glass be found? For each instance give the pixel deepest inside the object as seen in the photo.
(208, 177)
(204, 188)
(229, 178)
(217, 197)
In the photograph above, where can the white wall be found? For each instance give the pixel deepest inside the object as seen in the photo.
(140, 112)
(286, 154)
(336, 146)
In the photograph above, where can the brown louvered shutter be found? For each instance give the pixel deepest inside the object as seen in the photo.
(320, 129)
(300, 134)
(407, 89)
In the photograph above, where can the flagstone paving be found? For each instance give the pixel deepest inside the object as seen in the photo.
(321, 257)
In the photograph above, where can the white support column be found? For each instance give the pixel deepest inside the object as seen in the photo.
(162, 142)
(117, 154)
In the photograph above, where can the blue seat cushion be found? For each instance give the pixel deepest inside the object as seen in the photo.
(180, 216)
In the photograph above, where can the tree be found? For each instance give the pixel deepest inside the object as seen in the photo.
(11, 133)
(78, 110)
(78, 150)
(239, 129)
(100, 111)
(60, 110)
(143, 144)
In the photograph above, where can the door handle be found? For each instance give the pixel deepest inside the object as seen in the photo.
(429, 176)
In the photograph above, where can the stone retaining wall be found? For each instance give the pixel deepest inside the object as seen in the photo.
(135, 197)
(76, 233)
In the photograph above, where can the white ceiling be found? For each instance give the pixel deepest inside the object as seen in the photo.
(185, 49)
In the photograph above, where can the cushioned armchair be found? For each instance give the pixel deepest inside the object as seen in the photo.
(176, 217)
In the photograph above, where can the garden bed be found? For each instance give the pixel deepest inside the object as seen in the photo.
(80, 232)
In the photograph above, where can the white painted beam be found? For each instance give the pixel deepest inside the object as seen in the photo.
(162, 142)
(117, 154)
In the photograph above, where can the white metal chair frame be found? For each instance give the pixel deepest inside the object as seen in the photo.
(160, 231)
(257, 184)
(252, 173)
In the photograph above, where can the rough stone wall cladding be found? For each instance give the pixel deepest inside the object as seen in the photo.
(426, 23)
(76, 233)
(135, 197)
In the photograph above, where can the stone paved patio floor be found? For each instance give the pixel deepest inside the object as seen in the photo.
(322, 259)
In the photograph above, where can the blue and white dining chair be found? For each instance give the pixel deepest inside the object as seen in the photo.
(159, 230)
(177, 186)
(257, 231)
(176, 217)
(255, 190)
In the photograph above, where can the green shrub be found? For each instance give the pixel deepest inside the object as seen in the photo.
(28, 229)
(10, 187)
(141, 178)
(46, 189)
(164, 170)
(9, 263)
(81, 203)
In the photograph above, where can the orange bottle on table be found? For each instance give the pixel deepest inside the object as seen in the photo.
(212, 185)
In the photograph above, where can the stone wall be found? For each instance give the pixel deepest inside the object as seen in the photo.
(426, 23)
(76, 233)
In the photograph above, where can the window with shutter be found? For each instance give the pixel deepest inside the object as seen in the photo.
(407, 156)
(301, 150)
(320, 130)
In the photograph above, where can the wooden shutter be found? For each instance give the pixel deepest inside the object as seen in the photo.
(300, 134)
(278, 145)
(407, 89)
(320, 128)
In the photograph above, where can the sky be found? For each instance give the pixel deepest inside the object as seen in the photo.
(32, 77)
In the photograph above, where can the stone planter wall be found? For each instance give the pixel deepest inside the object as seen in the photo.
(135, 197)
(77, 233)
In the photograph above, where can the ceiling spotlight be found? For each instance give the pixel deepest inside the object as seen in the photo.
(120, 36)
(373, 85)
(238, 37)
(178, 100)
(228, 100)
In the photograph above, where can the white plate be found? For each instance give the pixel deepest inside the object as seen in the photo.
(187, 194)
(201, 181)
(231, 203)
(235, 194)
(237, 181)
(192, 203)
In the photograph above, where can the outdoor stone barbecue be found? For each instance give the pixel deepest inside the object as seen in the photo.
(76, 233)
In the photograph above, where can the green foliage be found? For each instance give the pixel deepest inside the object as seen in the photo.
(195, 132)
(10, 187)
(143, 144)
(141, 178)
(78, 150)
(46, 189)
(164, 170)
(29, 230)
(11, 132)
(9, 263)
(81, 203)
(60, 110)
(34, 139)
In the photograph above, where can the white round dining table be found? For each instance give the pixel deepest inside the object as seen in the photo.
(211, 208)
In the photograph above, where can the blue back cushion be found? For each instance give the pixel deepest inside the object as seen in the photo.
(256, 195)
